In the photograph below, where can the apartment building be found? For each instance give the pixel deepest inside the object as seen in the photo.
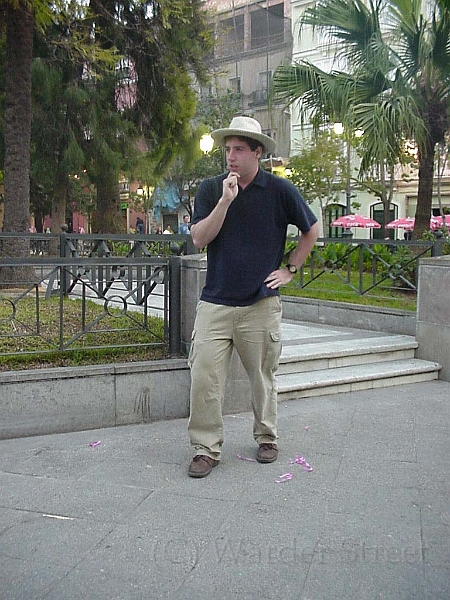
(252, 40)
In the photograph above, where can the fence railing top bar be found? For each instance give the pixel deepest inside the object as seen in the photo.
(372, 242)
(83, 261)
(27, 234)
(121, 237)
(127, 237)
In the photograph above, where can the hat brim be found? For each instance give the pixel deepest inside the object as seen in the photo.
(219, 136)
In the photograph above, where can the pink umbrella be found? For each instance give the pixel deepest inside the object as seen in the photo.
(403, 223)
(436, 222)
(355, 221)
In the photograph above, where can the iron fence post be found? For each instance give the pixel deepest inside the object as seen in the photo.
(63, 253)
(190, 248)
(436, 249)
(174, 305)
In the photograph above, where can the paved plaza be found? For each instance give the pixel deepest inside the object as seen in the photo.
(111, 513)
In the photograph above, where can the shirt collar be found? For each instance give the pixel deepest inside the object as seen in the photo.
(261, 179)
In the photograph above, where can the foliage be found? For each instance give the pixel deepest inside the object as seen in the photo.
(318, 170)
(396, 85)
(192, 166)
(78, 126)
(380, 271)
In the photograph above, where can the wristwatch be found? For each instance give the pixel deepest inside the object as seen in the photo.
(291, 268)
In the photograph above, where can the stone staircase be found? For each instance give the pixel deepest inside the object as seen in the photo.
(321, 360)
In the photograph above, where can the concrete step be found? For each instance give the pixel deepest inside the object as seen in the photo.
(331, 354)
(355, 377)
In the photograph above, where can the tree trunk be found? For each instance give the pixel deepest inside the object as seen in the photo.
(385, 200)
(19, 21)
(59, 202)
(107, 217)
(425, 189)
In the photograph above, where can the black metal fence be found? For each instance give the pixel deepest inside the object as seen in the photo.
(125, 286)
(128, 286)
(367, 266)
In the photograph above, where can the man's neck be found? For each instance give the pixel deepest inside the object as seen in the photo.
(244, 182)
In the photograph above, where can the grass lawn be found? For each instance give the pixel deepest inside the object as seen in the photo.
(330, 286)
(29, 334)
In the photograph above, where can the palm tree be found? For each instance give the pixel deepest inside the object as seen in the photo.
(397, 83)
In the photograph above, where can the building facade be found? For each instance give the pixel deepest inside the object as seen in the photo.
(252, 40)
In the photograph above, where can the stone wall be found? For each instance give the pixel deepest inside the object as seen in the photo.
(433, 312)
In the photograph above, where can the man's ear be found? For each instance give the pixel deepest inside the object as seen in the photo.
(259, 152)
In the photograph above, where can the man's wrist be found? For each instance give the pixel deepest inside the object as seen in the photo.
(291, 268)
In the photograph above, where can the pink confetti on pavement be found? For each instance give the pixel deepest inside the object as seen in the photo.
(94, 444)
(300, 460)
(246, 458)
(307, 428)
(283, 478)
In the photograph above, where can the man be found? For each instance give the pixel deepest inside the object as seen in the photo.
(184, 227)
(242, 218)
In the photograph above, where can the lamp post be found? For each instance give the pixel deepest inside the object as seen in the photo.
(206, 143)
(339, 129)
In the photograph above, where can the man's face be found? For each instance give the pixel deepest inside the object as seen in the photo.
(241, 158)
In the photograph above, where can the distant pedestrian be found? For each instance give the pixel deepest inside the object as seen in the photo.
(168, 229)
(139, 225)
(185, 227)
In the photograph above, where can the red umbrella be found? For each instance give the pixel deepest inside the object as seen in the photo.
(403, 223)
(436, 222)
(355, 221)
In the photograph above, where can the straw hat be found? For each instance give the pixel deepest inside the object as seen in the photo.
(244, 127)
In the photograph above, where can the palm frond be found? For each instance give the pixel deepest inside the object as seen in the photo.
(385, 125)
(351, 26)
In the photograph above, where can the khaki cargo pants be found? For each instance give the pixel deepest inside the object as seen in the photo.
(255, 332)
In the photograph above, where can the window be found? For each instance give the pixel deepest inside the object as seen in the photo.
(264, 79)
(230, 37)
(235, 85)
(378, 215)
(267, 26)
(333, 212)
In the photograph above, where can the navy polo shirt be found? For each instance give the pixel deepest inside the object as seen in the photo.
(251, 242)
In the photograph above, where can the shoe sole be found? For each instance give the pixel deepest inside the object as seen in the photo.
(201, 475)
(266, 460)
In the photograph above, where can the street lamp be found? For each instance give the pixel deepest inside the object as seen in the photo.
(206, 143)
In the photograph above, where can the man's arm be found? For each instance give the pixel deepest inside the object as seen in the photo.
(203, 232)
(298, 256)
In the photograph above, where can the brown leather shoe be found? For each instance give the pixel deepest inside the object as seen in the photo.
(201, 466)
(267, 453)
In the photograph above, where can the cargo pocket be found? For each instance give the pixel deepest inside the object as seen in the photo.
(273, 353)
